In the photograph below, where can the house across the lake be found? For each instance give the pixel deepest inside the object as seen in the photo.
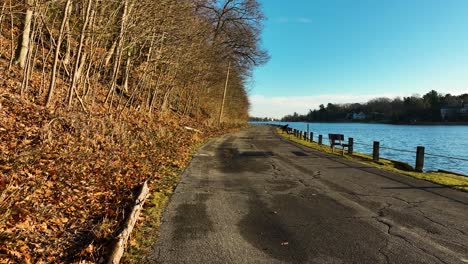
(463, 111)
(448, 112)
(359, 116)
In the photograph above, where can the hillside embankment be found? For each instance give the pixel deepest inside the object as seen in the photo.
(67, 177)
(69, 173)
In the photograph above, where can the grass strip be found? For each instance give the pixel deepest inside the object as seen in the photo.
(442, 178)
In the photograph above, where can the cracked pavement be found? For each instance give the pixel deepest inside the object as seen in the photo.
(254, 197)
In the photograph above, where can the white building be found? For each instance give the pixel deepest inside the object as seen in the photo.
(359, 116)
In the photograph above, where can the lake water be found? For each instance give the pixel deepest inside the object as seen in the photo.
(440, 140)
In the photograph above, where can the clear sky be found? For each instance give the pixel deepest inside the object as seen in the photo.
(354, 50)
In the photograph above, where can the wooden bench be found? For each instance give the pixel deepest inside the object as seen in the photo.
(337, 140)
(287, 129)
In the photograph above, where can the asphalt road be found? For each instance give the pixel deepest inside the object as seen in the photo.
(253, 197)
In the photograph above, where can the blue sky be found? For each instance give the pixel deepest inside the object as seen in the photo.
(354, 50)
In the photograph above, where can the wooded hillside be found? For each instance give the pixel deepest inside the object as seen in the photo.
(151, 55)
(94, 98)
(413, 109)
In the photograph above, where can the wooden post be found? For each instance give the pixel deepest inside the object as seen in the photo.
(305, 135)
(320, 140)
(311, 138)
(419, 159)
(376, 151)
(308, 129)
(350, 146)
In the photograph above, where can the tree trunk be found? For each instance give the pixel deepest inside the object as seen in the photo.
(128, 65)
(153, 97)
(120, 41)
(110, 53)
(12, 37)
(29, 62)
(80, 58)
(1, 18)
(57, 53)
(66, 57)
(23, 41)
(224, 94)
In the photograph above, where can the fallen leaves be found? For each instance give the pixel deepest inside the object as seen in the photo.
(66, 182)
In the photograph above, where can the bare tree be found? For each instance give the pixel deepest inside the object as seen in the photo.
(23, 43)
(57, 53)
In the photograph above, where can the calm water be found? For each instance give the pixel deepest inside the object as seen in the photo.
(442, 140)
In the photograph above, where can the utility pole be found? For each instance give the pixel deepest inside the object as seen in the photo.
(224, 94)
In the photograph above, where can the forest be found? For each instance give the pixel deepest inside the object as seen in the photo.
(97, 96)
(431, 107)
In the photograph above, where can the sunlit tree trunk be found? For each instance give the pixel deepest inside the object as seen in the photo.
(119, 50)
(80, 57)
(57, 53)
(224, 93)
(66, 57)
(23, 42)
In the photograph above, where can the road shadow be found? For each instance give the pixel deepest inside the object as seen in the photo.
(192, 220)
(234, 161)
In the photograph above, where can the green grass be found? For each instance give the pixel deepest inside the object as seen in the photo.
(446, 179)
(146, 233)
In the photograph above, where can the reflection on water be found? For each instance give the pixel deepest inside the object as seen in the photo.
(441, 140)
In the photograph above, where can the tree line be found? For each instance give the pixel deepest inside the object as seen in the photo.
(412, 109)
(192, 57)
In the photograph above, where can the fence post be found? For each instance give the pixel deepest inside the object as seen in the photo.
(311, 137)
(305, 135)
(350, 146)
(419, 159)
(320, 140)
(376, 151)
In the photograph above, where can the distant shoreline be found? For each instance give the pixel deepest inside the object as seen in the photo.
(375, 122)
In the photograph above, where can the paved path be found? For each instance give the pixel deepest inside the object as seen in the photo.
(253, 197)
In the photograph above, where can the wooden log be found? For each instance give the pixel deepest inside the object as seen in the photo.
(192, 129)
(130, 223)
(311, 138)
(320, 138)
